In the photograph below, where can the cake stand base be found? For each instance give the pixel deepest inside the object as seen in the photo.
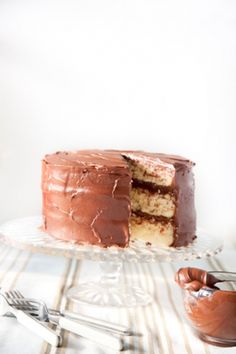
(109, 291)
(95, 293)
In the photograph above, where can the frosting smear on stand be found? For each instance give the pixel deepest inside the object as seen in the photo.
(109, 197)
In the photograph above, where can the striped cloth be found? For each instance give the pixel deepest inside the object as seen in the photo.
(161, 323)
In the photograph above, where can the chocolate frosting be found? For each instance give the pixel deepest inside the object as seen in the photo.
(185, 214)
(194, 278)
(86, 195)
(213, 315)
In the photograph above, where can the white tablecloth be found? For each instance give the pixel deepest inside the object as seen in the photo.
(161, 323)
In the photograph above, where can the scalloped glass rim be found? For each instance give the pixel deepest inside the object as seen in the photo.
(24, 233)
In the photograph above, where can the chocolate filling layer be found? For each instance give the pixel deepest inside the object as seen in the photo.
(152, 187)
(153, 218)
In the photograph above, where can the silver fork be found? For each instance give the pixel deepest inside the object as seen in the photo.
(29, 322)
(40, 311)
(39, 308)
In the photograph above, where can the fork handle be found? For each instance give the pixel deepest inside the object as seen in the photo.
(38, 328)
(100, 337)
(101, 324)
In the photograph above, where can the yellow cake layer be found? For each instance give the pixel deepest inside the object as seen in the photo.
(157, 233)
(157, 204)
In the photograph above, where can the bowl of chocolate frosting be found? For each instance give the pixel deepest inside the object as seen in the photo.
(210, 310)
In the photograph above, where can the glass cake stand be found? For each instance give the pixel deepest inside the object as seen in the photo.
(25, 233)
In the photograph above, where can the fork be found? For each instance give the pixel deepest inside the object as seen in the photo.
(29, 322)
(39, 308)
(40, 311)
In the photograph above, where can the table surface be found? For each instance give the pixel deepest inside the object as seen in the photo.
(161, 323)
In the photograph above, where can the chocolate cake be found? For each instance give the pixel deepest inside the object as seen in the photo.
(110, 197)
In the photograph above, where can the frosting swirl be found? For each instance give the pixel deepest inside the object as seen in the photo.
(194, 279)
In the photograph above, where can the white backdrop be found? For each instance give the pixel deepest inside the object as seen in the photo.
(157, 75)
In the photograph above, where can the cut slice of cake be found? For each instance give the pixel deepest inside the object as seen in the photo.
(162, 199)
(110, 197)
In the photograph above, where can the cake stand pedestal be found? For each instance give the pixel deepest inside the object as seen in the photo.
(25, 233)
(109, 290)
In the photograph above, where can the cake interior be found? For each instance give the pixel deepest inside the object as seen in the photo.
(153, 203)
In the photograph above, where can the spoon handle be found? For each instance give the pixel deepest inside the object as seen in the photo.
(224, 276)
